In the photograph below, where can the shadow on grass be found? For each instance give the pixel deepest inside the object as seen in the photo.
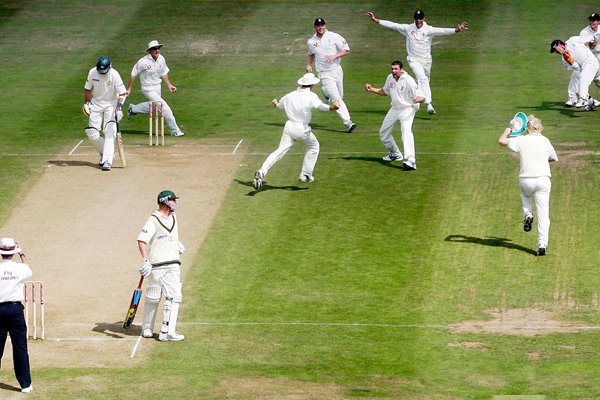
(378, 160)
(4, 386)
(571, 112)
(489, 241)
(268, 187)
(74, 163)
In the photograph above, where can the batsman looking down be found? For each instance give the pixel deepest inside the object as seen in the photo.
(104, 94)
(160, 248)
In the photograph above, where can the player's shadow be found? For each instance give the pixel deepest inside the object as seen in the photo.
(268, 187)
(116, 330)
(489, 241)
(571, 112)
(4, 386)
(377, 160)
(74, 163)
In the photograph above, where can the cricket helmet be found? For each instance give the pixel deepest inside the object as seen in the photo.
(167, 197)
(103, 65)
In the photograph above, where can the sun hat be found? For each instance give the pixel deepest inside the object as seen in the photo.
(154, 44)
(518, 124)
(308, 79)
(8, 247)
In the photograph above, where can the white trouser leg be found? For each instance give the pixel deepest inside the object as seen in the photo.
(540, 189)
(167, 112)
(387, 127)
(587, 75)
(573, 88)
(406, 118)
(332, 84)
(311, 155)
(422, 71)
(285, 143)
(110, 134)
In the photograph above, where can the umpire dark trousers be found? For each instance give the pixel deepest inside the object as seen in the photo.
(12, 322)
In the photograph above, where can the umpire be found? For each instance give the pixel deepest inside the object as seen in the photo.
(12, 280)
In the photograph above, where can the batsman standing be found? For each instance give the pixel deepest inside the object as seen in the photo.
(536, 153)
(153, 69)
(326, 49)
(406, 96)
(418, 47)
(12, 321)
(104, 94)
(160, 248)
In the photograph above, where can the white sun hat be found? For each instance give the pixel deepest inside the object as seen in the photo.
(8, 247)
(154, 44)
(518, 124)
(308, 79)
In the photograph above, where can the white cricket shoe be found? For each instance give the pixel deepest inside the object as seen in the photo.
(409, 166)
(306, 178)
(430, 109)
(571, 102)
(393, 157)
(350, 127)
(177, 134)
(174, 337)
(581, 103)
(147, 333)
(130, 113)
(106, 166)
(257, 182)
(27, 389)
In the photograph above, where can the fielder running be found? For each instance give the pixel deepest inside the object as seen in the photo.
(153, 69)
(298, 106)
(326, 49)
(536, 153)
(418, 47)
(406, 96)
(160, 248)
(104, 94)
(576, 55)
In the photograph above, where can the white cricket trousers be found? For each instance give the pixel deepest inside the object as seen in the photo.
(292, 132)
(588, 73)
(155, 95)
(104, 120)
(422, 70)
(405, 117)
(332, 84)
(538, 188)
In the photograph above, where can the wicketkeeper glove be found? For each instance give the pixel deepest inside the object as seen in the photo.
(146, 268)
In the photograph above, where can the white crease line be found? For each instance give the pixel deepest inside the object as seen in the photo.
(137, 343)
(238, 146)
(85, 339)
(325, 324)
(75, 148)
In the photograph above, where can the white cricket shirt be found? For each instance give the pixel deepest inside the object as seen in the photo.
(150, 71)
(162, 236)
(402, 91)
(298, 105)
(577, 47)
(329, 44)
(534, 151)
(105, 88)
(418, 41)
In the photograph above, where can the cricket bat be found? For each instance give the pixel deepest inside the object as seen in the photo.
(135, 302)
(120, 147)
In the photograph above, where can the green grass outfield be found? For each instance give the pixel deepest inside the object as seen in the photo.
(344, 290)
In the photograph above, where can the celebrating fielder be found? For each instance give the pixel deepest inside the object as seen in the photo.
(418, 47)
(160, 248)
(104, 94)
(406, 96)
(152, 68)
(326, 49)
(535, 152)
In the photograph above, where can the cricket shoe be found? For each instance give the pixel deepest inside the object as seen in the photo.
(147, 333)
(257, 182)
(170, 337)
(27, 389)
(430, 109)
(592, 104)
(306, 178)
(393, 157)
(581, 103)
(177, 134)
(571, 103)
(541, 251)
(100, 163)
(106, 166)
(409, 166)
(350, 127)
(130, 113)
(527, 223)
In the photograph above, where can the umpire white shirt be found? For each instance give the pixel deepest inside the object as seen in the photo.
(535, 151)
(12, 280)
(329, 44)
(418, 41)
(150, 71)
(298, 105)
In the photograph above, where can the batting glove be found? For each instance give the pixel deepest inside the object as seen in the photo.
(181, 248)
(119, 115)
(146, 268)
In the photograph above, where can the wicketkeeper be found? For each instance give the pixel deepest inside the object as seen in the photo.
(160, 248)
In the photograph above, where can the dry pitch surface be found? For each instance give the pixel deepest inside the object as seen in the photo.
(78, 226)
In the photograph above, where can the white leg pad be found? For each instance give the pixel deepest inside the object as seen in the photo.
(153, 293)
(93, 135)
